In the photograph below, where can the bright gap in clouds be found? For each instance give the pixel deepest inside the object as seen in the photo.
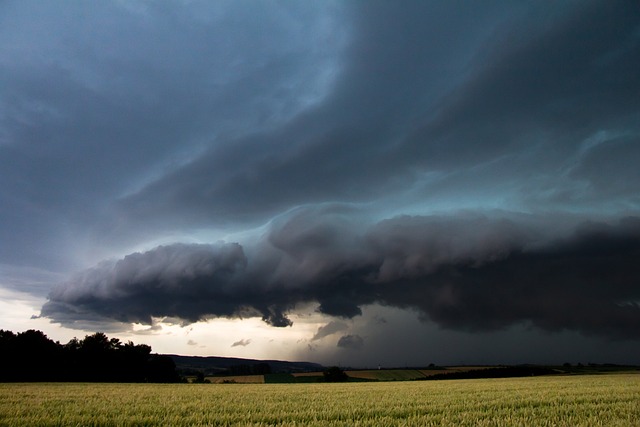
(252, 337)
(20, 312)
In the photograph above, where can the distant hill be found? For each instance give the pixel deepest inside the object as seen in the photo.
(213, 365)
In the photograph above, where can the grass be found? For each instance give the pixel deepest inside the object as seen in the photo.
(610, 400)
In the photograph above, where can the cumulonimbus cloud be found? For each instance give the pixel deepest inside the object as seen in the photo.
(466, 272)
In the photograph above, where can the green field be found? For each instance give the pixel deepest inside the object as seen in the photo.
(590, 400)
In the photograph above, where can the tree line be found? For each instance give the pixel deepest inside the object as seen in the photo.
(32, 356)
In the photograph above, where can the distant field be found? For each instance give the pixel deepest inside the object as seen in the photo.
(449, 372)
(244, 379)
(396, 374)
(588, 400)
(387, 375)
(406, 374)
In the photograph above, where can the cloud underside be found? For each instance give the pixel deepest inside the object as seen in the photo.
(465, 272)
(354, 342)
(329, 329)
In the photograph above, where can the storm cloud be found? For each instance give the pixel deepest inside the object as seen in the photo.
(465, 273)
(329, 329)
(474, 163)
(354, 342)
(532, 108)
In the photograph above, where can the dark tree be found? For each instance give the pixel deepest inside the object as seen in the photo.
(162, 369)
(7, 355)
(335, 375)
(200, 379)
(134, 359)
(255, 369)
(32, 356)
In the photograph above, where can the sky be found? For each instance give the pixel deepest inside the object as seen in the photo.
(365, 183)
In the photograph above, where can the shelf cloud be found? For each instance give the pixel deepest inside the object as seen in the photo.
(475, 165)
(465, 273)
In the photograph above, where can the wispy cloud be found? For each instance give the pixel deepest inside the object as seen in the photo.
(329, 329)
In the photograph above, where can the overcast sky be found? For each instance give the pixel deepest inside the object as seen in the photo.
(366, 182)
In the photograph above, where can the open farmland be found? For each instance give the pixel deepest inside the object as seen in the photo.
(407, 374)
(454, 372)
(387, 375)
(244, 379)
(559, 401)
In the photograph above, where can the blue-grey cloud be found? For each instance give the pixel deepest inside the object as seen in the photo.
(94, 112)
(522, 112)
(421, 155)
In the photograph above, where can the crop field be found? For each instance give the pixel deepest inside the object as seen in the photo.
(355, 375)
(388, 375)
(244, 379)
(405, 374)
(593, 400)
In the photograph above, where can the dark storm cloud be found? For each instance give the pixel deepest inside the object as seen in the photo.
(466, 273)
(350, 149)
(585, 282)
(353, 342)
(181, 281)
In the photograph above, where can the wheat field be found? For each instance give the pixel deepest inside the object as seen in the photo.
(608, 400)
